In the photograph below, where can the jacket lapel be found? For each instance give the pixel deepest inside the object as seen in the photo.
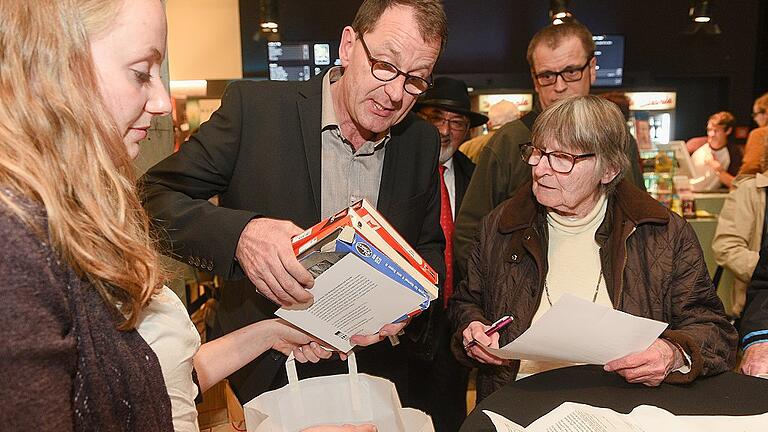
(388, 174)
(310, 107)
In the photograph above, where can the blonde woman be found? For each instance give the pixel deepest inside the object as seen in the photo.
(79, 84)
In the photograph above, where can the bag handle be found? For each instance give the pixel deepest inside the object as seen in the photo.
(354, 381)
(293, 376)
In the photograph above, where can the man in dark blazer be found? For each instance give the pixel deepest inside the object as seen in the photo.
(441, 380)
(283, 156)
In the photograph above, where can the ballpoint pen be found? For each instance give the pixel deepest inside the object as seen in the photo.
(494, 328)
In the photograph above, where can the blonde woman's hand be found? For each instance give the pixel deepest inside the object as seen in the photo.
(343, 428)
(288, 339)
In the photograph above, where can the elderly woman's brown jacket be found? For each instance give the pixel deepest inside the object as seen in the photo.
(653, 267)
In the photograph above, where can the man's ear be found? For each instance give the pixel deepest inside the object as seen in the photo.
(593, 70)
(348, 38)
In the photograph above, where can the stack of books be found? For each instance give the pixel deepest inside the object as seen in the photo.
(366, 275)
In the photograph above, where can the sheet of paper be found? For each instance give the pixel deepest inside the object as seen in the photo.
(351, 298)
(753, 423)
(578, 331)
(503, 424)
(654, 419)
(576, 417)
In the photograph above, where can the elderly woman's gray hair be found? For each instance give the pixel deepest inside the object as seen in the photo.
(586, 124)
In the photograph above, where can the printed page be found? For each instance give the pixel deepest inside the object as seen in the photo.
(351, 298)
(575, 417)
(503, 424)
(578, 331)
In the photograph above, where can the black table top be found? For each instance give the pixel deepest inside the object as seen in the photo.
(528, 399)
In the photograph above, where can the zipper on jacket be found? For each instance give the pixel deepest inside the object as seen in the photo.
(624, 266)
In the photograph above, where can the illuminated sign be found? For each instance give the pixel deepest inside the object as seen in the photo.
(652, 101)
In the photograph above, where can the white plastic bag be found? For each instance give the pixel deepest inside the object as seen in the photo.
(335, 399)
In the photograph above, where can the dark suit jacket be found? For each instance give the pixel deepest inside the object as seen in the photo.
(463, 169)
(260, 152)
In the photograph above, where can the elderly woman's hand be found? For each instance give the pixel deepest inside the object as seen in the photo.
(475, 331)
(648, 367)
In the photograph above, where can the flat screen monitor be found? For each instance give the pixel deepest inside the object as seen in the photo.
(609, 50)
(300, 61)
(684, 161)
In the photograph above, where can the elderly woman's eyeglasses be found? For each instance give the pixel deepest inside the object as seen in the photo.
(757, 113)
(385, 71)
(560, 162)
(547, 78)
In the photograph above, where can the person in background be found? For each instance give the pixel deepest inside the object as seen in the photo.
(757, 139)
(740, 231)
(438, 379)
(285, 155)
(499, 114)
(579, 228)
(718, 162)
(82, 284)
(562, 61)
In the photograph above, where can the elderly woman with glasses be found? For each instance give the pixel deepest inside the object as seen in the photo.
(580, 229)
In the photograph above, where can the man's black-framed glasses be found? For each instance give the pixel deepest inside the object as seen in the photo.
(757, 113)
(386, 71)
(457, 125)
(559, 161)
(570, 74)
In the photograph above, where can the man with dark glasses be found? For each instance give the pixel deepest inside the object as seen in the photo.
(282, 156)
(563, 63)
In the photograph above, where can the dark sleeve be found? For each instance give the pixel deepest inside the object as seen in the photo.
(754, 320)
(698, 323)
(498, 174)
(635, 174)
(175, 193)
(37, 350)
(465, 305)
(736, 155)
(430, 245)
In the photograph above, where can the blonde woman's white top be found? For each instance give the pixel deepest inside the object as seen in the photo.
(166, 327)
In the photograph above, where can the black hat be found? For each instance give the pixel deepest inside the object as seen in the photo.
(451, 95)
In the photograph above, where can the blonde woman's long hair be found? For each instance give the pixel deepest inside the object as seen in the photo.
(59, 147)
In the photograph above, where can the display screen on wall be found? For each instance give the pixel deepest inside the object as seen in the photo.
(609, 50)
(300, 61)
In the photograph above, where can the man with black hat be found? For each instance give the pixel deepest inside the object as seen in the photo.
(441, 381)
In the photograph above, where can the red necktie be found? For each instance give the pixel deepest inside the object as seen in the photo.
(446, 223)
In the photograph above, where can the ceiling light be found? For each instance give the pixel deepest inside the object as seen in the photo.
(700, 14)
(268, 16)
(558, 11)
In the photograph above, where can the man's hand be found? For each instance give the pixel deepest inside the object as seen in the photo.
(755, 360)
(264, 252)
(649, 367)
(475, 331)
(387, 330)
